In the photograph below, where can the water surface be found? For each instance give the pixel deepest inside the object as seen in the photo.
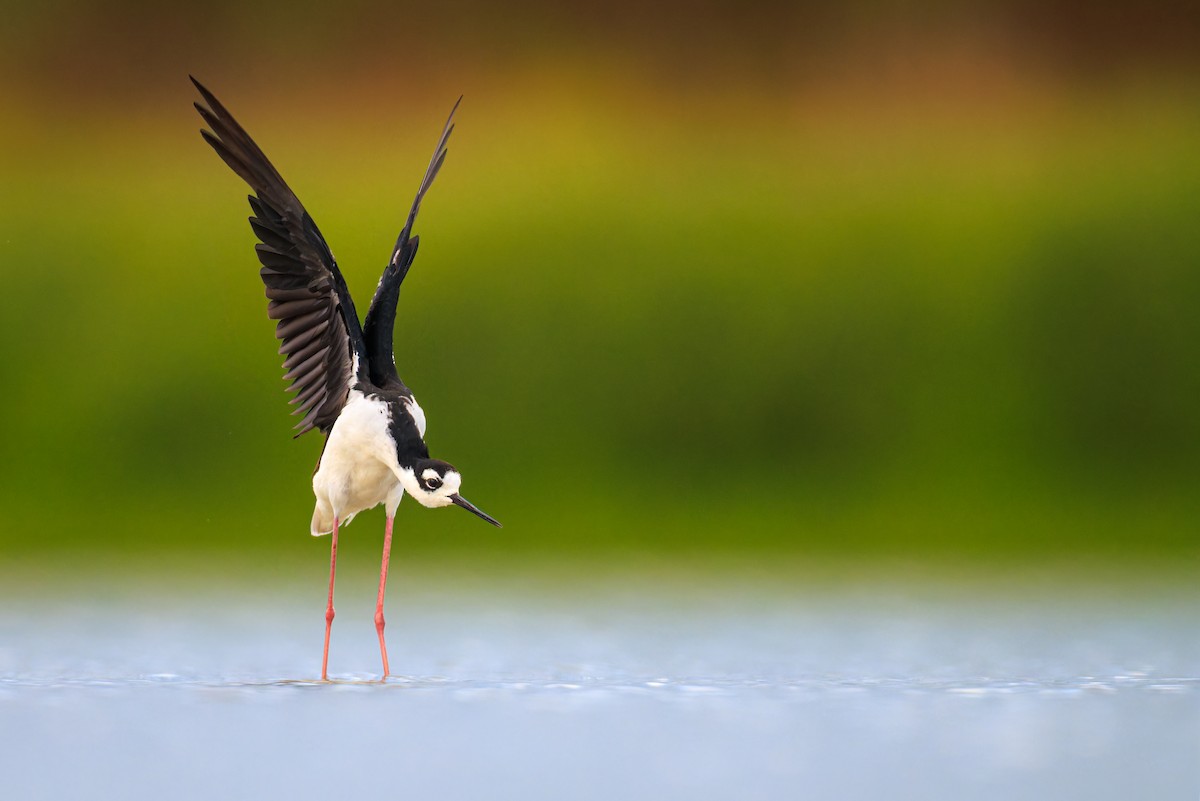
(612, 690)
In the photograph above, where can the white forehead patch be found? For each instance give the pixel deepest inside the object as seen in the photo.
(449, 482)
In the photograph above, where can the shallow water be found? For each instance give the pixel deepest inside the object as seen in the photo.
(618, 691)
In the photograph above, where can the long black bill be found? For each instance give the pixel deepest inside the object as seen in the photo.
(473, 509)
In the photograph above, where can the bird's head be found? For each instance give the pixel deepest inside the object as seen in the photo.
(435, 483)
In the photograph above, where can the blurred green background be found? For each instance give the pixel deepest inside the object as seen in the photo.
(713, 280)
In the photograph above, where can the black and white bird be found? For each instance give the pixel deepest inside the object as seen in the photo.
(344, 374)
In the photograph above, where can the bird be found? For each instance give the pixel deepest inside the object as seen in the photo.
(343, 372)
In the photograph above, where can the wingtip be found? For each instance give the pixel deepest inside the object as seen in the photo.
(450, 116)
(208, 96)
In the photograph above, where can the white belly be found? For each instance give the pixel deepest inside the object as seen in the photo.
(358, 468)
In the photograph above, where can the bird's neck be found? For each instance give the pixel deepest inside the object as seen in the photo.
(405, 427)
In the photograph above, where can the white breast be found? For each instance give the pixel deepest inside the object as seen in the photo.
(358, 468)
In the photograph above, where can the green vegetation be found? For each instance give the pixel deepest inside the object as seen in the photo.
(673, 332)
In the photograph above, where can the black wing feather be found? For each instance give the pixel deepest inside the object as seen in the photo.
(381, 315)
(318, 325)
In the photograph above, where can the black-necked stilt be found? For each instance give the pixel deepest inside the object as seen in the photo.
(344, 374)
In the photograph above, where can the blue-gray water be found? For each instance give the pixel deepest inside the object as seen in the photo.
(613, 689)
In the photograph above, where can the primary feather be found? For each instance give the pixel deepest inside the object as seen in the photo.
(318, 326)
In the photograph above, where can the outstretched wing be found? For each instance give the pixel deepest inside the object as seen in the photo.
(381, 316)
(318, 325)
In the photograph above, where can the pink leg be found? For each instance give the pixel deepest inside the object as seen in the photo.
(383, 568)
(329, 607)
